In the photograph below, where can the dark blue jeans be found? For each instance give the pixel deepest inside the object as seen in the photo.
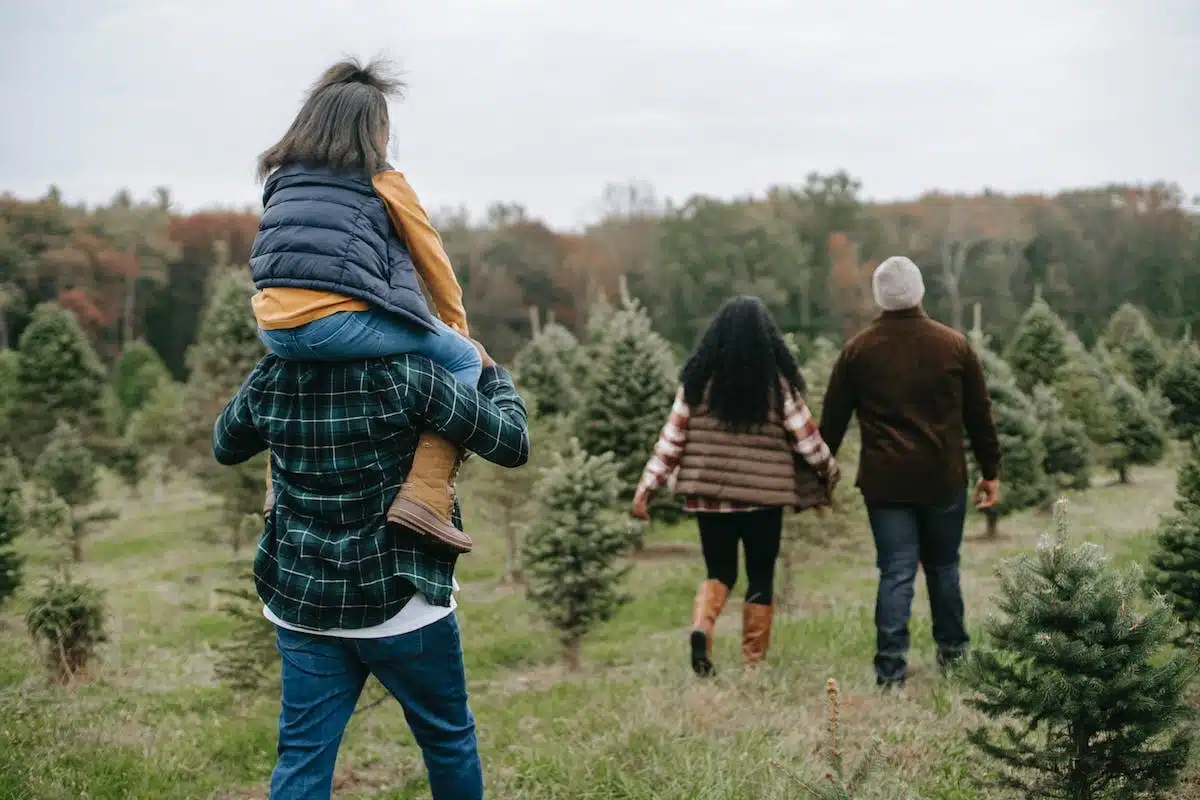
(322, 679)
(907, 536)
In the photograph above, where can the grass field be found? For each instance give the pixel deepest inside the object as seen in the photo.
(633, 723)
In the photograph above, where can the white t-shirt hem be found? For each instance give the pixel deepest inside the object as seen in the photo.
(416, 614)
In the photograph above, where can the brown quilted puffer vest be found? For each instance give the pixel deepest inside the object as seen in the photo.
(756, 467)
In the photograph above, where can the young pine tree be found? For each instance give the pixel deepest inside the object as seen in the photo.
(1022, 451)
(59, 377)
(156, 432)
(12, 524)
(1082, 386)
(1068, 450)
(1141, 438)
(136, 374)
(1175, 562)
(67, 617)
(574, 545)
(1180, 383)
(66, 470)
(634, 377)
(1138, 351)
(9, 361)
(548, 367)
(1038, 349)
(227, 349)
(503, 497)
(1080, 671)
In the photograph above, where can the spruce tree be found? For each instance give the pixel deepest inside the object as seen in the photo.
(503, 497)
(227, 349)
(136, 374)
(249, 660)
(59, 377)
(1022, 451)
(1180, 383)
(548, 367)
(67, 617)
(1082, 386)
(1138, 351)
(9, 360)
(1038, 349)
(12, 524)
(634, 378)
(67, 471)
(155, 431)
(1175, 561)
(573, 548)
(1068, 450)
(1080, 672)
(1141, 438)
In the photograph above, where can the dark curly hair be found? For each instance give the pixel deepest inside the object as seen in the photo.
(742, 362)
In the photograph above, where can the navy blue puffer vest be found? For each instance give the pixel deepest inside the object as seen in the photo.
(328, 230)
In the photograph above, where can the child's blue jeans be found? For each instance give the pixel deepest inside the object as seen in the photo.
(349, 335)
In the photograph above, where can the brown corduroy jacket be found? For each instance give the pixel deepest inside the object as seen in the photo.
(916, 385)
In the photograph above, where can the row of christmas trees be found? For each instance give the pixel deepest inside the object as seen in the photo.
(1062, 410)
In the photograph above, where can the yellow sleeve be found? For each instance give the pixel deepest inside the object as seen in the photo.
(425, 246)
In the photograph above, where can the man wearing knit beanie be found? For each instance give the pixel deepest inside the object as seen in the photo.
(915, 385)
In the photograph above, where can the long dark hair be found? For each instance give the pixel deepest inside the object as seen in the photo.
(343, 123)
(742, 362)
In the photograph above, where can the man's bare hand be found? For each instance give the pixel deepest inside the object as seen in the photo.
(641, 506)
(987, 494)
(488, 361)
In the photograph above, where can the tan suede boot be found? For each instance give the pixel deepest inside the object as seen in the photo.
(710, 599)
(425, 503)
(756, 632)
(269, 499)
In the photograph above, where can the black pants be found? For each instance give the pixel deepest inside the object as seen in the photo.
(759, 532)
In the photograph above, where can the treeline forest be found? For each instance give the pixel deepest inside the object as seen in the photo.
(135, 269)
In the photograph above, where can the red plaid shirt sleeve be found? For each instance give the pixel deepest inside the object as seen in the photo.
(807, 436)
(669, 447)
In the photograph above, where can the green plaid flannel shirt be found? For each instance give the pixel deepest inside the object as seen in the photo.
(342, 437)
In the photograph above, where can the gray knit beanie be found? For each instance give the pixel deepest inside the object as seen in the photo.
(897, 284)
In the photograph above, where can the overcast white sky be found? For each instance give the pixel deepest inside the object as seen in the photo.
(543, 101)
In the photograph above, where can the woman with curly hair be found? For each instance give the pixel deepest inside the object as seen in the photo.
(741, 447)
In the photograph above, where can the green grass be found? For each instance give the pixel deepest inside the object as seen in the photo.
(633, 723)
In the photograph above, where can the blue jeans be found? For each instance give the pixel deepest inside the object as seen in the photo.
(907, 536)
(322, 679)
(349, 335)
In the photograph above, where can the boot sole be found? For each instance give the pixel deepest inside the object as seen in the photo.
(701, 664)
(419, 518)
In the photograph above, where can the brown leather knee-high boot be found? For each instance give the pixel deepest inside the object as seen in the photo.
(710, 599)
(756, 631)
(425, 503)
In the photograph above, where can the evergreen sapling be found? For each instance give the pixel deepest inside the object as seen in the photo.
(634, 378)
(1175, 562)
(12, 524)
(547, 367)
(1080, 672)
(1141, 438)
(1068, 450)
(574, 546)
(1038, 349)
